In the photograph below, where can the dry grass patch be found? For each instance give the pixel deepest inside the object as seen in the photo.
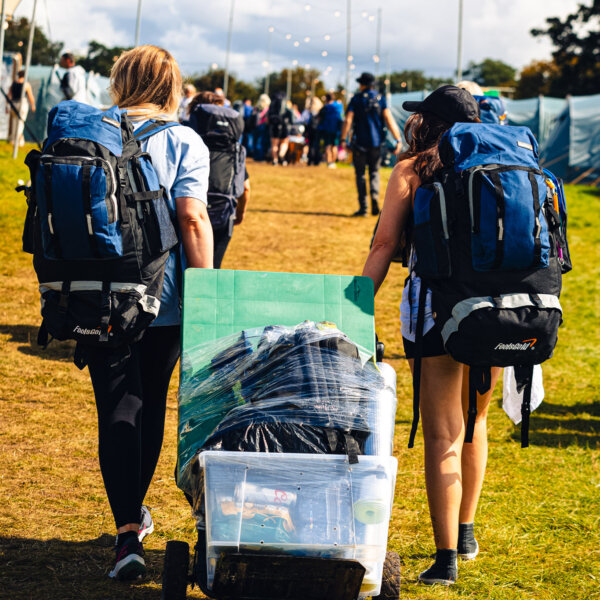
(539, 520)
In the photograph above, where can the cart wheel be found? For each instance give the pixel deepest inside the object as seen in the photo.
(175, 573)
(390, 582)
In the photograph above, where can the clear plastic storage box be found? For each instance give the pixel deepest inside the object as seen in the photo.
(300, 504)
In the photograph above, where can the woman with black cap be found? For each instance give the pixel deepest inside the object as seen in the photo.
(453, 473)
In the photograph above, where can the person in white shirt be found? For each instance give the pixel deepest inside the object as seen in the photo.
(189, 91)
(73, 83)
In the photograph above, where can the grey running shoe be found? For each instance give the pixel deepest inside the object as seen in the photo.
(130, 563)
(146, 523)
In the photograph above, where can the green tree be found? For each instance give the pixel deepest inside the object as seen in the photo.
(100, 58)
(212, 79)
(409, 81)
(44, 52)
(576, 40)
(491, 72)
(302, 81)
(536, 79)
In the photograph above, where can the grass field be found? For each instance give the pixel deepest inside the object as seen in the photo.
(539, 518)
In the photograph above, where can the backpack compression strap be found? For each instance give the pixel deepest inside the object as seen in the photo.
(154, 127)
(524, 380)
(417, 362)
(480, 381)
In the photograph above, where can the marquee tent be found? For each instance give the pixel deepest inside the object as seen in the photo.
(572, 150)
(45, 82)
(538, 114)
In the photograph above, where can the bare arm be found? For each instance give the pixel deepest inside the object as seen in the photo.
(196, 232)
(396, 210)
(391, 124)
(240, 211)
(347, 125)
(29, 93)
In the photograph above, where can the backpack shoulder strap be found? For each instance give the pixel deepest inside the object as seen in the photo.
(152, 128)
(417, 362)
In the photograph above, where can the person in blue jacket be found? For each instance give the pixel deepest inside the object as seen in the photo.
(369, 114)
(330, 127)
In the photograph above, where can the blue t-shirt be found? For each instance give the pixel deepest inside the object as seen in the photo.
(368, 118)
(181, 161)
(330, 118)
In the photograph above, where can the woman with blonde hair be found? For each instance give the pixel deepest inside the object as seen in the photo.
(260, 133)
(131, 389)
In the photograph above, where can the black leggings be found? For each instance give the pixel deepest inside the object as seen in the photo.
(131, 397)
(221, 238)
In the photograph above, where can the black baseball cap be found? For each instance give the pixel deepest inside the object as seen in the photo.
(449, 103)
(366, 79)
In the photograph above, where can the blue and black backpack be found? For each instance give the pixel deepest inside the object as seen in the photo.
(490, 242)
(98, 227)
(221, 129)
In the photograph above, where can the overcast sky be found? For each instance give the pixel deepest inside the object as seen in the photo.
(419, 34)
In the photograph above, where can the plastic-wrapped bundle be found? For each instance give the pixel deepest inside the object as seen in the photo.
(303, 389)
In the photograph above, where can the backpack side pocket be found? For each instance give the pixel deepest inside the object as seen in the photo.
(431, 232)
(151, 207)
(32, 161)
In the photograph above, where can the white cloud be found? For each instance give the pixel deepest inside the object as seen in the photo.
(420, 35)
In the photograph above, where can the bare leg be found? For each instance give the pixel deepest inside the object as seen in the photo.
(274, 149)
(443, 431)
(283, 148)
(474, 455)
(129, 527)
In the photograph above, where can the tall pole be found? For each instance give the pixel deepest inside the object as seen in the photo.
(138, 22)
(288, 89)
(226, 74)
(268, 65)
(459, 54)
(348, 46)
(387, 77)
(378, 43)
(2, 19)
(20, 125)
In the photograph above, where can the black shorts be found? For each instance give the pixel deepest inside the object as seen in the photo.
(330, 138)
(433, 345)
(278, 131)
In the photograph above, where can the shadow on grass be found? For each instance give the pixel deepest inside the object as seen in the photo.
(595, 192)
(27, 336)
(394, 356)
(299, 212)
(62, 570)
(565, 429)
(589, 408)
